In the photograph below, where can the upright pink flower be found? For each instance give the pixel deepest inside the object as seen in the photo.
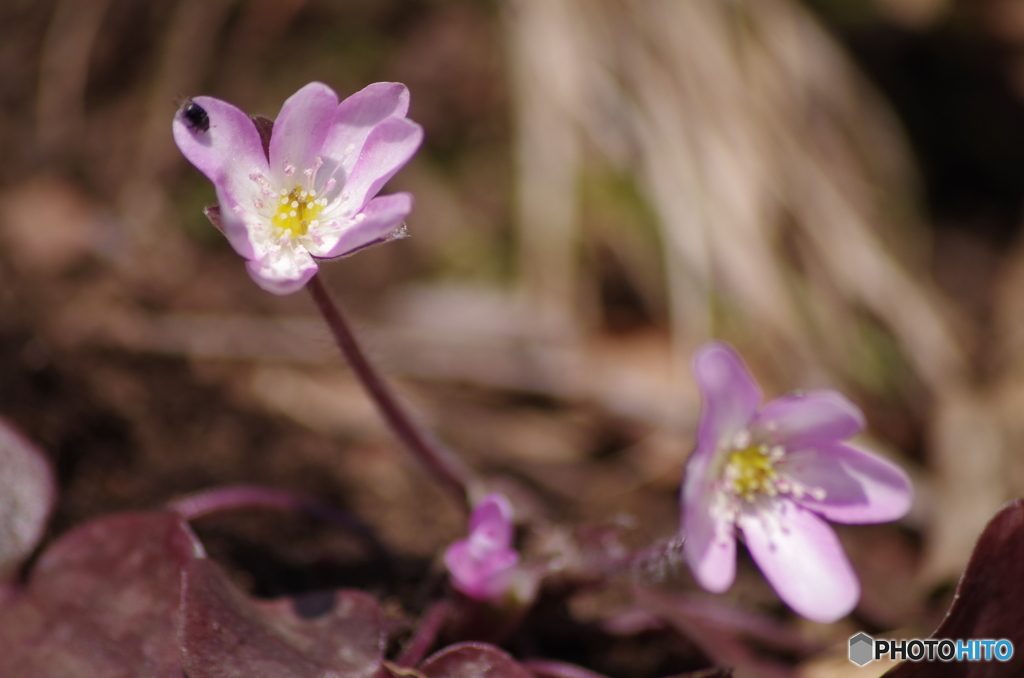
(483, 565)
(311, 193)
(776, 472)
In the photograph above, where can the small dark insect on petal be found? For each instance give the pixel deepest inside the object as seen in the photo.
(195, 116)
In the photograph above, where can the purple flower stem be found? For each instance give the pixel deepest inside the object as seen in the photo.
(716, 634)
(749, 624)
(441, 462)
(550, 668)
(665, 558)
(423, 639)
(232, 497)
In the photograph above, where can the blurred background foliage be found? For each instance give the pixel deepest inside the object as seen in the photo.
(834, 186)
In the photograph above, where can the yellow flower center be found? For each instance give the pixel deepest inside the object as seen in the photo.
(298, 211)
(751, 471)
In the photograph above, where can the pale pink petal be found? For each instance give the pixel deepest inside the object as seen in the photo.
(709, 541)
(463, 566)
(283, 270)
(497, 582)
(730, 395)
(380, 217)
(802, 559)
(859, 486)
(388, 147)
(803, 420)
(229, 153)
(356, 117)
(485, 578)
(299, 133)
(493, 517)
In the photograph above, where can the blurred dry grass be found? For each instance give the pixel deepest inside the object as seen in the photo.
(785, 202)
(606, 184)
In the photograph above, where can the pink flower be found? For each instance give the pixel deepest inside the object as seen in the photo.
(311, 193)
(483, 565)
(776, 472)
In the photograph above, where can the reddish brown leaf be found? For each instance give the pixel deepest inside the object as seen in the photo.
(472, 660)
(131, 596)
(102, 602)
(226, 635)
(989, 602)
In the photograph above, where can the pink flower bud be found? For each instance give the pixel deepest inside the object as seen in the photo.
(483, 564)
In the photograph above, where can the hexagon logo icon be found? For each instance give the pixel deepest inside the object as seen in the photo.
(862, 649)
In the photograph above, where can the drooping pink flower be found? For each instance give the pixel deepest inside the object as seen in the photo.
(777, 472)
(483, 565)
(311, 194)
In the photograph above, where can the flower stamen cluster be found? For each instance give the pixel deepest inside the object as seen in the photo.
(752, 470)
(298, 212)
